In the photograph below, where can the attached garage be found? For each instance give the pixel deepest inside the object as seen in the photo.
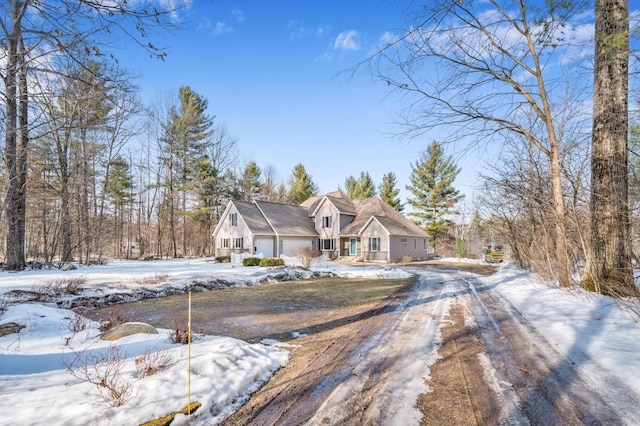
(264, 246)
(290, 245)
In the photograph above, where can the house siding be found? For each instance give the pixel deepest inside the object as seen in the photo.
(375, 230)
(414, 247)
(233, 232)
(333, 232)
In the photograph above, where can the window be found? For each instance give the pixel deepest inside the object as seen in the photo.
(374, 244)
(403, 240)
(415, 244)
(326, 221)
(225, 243)
(328, 244)
(233, 217)
(238, 243)
(425, 243)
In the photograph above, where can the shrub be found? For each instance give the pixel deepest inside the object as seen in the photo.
(154, 279)
(305, 256)
(251, 261)
(59, 287)
(4, 305)
(102, 369)
(271, 261)
(223, 259)
(116, 317)
(76, 323)
(178, 335)
(407, 259)
(153, 361)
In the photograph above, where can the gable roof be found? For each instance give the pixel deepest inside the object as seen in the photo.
(393, 221)
(286, 219)
(340, 201)
(311, 203)
(253, 218)
(267, 218)
(343, 203)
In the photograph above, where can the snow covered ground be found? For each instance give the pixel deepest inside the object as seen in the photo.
(36, 387)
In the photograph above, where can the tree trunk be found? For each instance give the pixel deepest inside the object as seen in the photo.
(16, 139)
(610, 262)
(561, 254)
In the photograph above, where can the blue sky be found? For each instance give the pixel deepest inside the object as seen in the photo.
(272, 74)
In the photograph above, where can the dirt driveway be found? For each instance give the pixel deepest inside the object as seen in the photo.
(442, 349)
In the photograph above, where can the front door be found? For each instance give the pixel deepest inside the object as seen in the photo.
(353, 247)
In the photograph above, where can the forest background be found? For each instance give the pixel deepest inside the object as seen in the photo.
(119, 166)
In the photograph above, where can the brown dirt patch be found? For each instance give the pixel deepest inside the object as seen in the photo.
(282, 311)
(459, 394)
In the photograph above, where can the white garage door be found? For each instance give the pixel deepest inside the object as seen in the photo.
(264, 246)
(290, 246)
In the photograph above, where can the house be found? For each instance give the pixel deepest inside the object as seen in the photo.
(333, 224)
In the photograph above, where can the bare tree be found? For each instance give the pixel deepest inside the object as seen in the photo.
(487, 72)
(223, 151)
(35, 35)
(272, 187)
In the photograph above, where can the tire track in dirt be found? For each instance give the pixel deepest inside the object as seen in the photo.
(452, 351)
(533, 384)
(360, 378)
(390, 369)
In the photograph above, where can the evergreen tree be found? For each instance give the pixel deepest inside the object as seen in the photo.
(389, 193)
(350, 184)
(207, 182)
(361, 188)
(301, 185)
(431, 186)
(119, 185)
(119, 190)
(250, 186)
(184, 141)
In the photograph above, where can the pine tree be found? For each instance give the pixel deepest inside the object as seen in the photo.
(389, 193)
(301, 185)
(250, 186)
(186, 132)
(431, 186)
(350, 184)
(119, 190)
(360, 188)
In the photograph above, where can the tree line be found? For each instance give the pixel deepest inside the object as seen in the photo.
(509, 74)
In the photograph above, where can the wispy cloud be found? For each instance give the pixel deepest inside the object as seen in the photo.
(237, 13)
(388, 38)
(203, 24)
(222, 28)
(298, 30)
(347, 40)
